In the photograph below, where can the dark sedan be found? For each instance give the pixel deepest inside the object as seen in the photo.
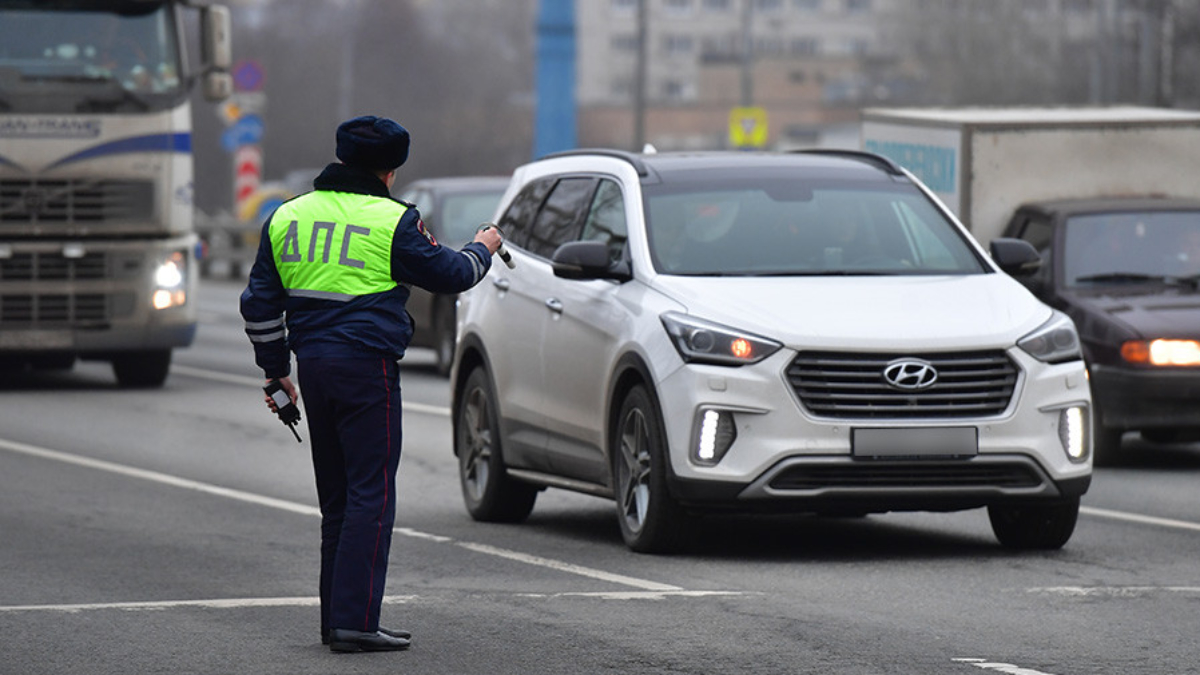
(453, 209)
(1127, 271)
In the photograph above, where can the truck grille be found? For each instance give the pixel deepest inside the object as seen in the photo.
(74, 201)
(48, 310)
(852, 386)
(53, 267)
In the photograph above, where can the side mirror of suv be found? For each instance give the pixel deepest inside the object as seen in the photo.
(1015, 256)
(588, 260)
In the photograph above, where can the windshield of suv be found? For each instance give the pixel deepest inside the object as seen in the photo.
(788, 227)
(1123, 248)
(88, 57)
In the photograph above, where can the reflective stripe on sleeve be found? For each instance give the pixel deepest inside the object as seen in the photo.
(267, 337)
(264, 325)
(476, 264)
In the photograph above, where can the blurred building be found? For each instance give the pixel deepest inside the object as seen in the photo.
(812, 64)
(809, 64)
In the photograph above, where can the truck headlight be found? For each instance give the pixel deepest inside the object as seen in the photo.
(701, 341)
(169, 281)
(1055, 341)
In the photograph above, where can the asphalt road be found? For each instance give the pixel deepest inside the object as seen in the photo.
(175, 531)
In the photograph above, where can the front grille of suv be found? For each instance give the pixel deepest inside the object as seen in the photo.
(852, 386)
(74, 201)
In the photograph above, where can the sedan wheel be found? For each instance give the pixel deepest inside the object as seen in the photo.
(651, 521)
(1034, 526)
(488, 492)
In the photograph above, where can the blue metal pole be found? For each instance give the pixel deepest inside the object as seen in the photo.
(554, 122)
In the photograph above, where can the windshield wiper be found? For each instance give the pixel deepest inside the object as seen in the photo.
(1192, 280)
(1137, 277)
(116, 96)
(1120, 277)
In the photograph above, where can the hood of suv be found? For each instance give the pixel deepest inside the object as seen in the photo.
(866, 312)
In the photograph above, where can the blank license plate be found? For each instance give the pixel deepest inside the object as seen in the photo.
(914, 442)
(36, 339)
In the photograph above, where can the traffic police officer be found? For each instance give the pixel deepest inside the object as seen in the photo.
(330, 282)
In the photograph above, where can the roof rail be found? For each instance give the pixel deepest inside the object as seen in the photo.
(871, 158)
(633, 158)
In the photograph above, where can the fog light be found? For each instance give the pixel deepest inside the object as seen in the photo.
(1073, 432)
(164, 298)
(713, 436)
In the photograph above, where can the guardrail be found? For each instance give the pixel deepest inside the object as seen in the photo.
(228, 245)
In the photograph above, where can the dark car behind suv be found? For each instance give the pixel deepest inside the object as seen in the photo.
(452, 208)
(1127, 271)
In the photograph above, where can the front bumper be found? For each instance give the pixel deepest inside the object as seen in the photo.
(786, 458)
(94, 297)
(1147, 399)
(839, 483)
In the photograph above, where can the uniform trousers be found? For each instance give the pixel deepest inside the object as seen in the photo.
(353, 411)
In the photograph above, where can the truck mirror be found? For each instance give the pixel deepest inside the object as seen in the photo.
(218, 86)
(1015, 256)
(216, 43)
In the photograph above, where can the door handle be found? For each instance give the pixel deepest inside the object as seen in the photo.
(501, 283)
(554, 305)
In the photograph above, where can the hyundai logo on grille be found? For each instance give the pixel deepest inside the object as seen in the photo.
(910, 374)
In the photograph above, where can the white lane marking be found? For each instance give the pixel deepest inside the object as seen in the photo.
(156, 477)
(569, 568)
(303, 509)
(1007, 668)
(225, 603)
(257, 383)
(1138, 518)
(1112, 591)
(641, 595)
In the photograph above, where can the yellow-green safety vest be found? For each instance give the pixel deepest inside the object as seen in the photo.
(335, 245)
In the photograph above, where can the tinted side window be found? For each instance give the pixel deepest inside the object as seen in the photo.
(1036, 231)
(517, 221)
(559, 220)
(606, 219)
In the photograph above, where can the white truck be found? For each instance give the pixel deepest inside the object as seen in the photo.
(97, 248)
(984, 163)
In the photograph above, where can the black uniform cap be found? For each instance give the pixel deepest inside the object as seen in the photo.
(374, 143)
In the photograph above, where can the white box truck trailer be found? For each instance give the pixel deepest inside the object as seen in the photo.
(984, 163)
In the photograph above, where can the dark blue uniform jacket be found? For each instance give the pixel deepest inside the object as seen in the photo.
(375, 324)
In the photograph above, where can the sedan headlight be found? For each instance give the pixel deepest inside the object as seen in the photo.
(1056, 341)
(1161, 352)
(701, 341)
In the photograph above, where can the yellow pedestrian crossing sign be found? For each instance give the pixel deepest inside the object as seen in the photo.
(748, 127)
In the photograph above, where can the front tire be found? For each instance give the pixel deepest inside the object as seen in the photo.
(650, 519)
(489, 494)
(142, 369)
(1034, 526)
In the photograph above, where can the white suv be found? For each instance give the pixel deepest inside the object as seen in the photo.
(813, 331)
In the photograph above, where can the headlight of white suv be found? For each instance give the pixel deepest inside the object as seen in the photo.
(701, 341)
(1056, 341)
